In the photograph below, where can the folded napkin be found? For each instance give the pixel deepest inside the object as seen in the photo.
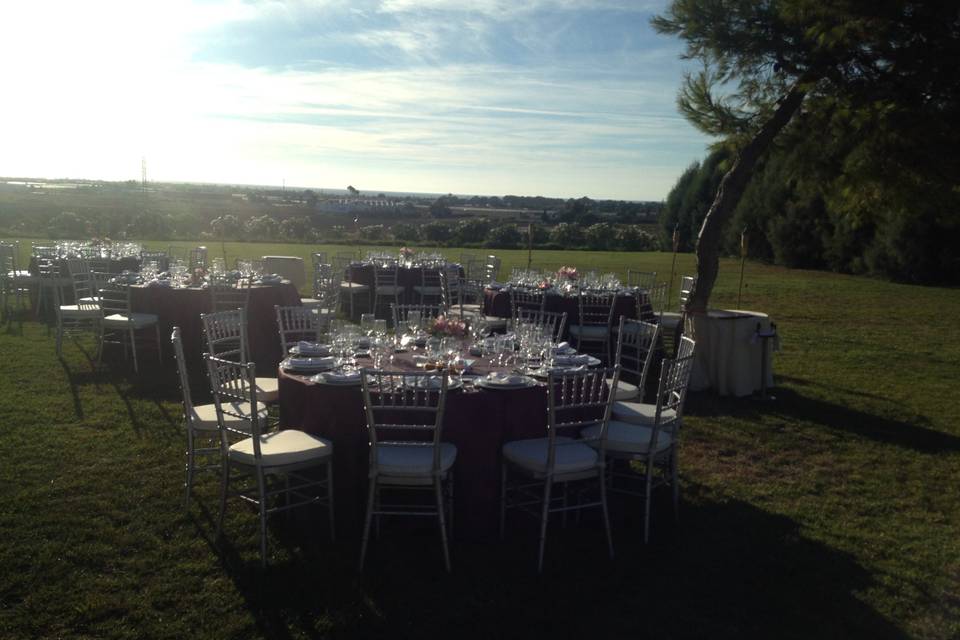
(305, 348)
(578, 359)
(561, 370)
(341, 376)
(562, 347)
(312, 363)
(271, 278)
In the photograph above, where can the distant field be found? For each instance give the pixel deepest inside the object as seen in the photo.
(831, 511)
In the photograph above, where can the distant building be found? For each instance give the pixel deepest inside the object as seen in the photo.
(358, 205)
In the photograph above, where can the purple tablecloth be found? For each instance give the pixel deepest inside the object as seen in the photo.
(182, 307)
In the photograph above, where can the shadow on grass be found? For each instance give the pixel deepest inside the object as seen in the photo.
(793, 405)
(731, 570)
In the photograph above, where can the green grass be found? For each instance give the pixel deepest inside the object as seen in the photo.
(831, 511)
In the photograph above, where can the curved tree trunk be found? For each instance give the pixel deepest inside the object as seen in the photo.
(728, 195)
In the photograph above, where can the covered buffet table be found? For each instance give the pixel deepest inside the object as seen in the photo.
(729, 353)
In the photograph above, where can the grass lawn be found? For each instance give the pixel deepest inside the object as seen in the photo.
(831, 511)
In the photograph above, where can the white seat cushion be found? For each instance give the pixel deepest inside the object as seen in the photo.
(468, 306)
(354, 287)
(205, 416)
(625, 390)
(629, 438)
(76, 311)
(282, 448)
(640, 413)
(591, 331)
(411, 460)
(571, 456)
(268, 389)
(309, 301)
(138, 320)
(494, 321)
(389, 290)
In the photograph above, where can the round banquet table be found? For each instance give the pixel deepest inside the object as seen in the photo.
(728, 355)
(182, 307)
(477, 421)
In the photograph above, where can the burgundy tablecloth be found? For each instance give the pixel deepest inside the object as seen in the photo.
(119, 265)
(182, 307)
(497, 303)
(477, 422)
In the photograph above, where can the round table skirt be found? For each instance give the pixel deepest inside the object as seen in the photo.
(728, 355)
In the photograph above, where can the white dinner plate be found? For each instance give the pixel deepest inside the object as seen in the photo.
(488, 383)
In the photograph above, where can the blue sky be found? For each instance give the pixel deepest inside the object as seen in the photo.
(555, 98)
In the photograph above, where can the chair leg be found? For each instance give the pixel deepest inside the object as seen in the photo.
(450, 505)
(675, 485)
(606, 514)
(224, 486)
(543, 521)
(190, 465)
(59, 337)
(262, 504)
(503, 498)
(100, 347)
(646, 501)
(333, 528)
(159, 343)
(133, 347)
(438, 488)
(366, 526)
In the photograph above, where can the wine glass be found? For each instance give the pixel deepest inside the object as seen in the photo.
(367, 321)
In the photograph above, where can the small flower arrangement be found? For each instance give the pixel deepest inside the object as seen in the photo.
(406, 253)
(567, 273)
(198, 276)
(443, 326)
(545, 284)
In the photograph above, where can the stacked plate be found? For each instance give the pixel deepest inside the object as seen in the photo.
(300, 364)
(310, 349)
(341, 377)
(499, 380)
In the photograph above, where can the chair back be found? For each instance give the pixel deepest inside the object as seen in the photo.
(641, 279)
(78, 265)
(177, 341)
(686, 288)
(225, 333)
(527, 299)
(399, 405)
(86, 291)
(318, 257)
(115, 299)
(385, 275)
(672, 389)
(451, 287)
(430, 276)
(553, 323)
(576, 399)
(226, 294)
(401, 312)
(658, 298)
(198, 258)
(8, 260)
(636, 343)
(297, 323)
(323, 279)
(596, 308)
(234, 389)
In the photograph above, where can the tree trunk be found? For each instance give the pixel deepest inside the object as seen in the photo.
(728, 195)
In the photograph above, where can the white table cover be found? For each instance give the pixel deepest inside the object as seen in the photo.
(728, 353)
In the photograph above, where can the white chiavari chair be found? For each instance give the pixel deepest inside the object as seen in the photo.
(636, 345)
(552, 323)
(536, 473)
(650, 434)
(397, 404)
(120, 325)
(298, 323)
(84, 314)
(225, 333)
(273, 471)
(595, 321)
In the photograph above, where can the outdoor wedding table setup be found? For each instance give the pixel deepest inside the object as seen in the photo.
(179, 298)
(411, 266)
(561, 290)
(497, 393)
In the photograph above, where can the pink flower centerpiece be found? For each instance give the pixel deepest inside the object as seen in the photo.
(406, 253)
(567, 273)
(545, 284)
(443, 326)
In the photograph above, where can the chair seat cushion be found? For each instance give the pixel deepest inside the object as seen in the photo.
(593, 331)
(282, 448)
(137, 320)
(413, 460)
(205, 416)
(389, 290)
(495, 321)
(625, 390)
(310, 301)
(354, 287)
(268, 389)
(77, 311)
(640, 413)
(629, 438)
(531, 454)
